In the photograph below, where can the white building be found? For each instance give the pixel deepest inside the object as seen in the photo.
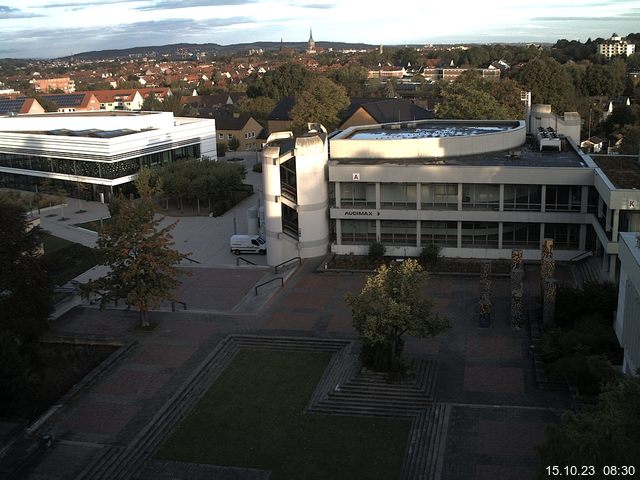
(104, 150)
(627, 323)
(615, 46)
(478, 189)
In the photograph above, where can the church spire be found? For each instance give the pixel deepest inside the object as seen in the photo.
(311, 48)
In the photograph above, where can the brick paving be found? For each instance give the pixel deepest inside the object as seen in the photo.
(478, 366)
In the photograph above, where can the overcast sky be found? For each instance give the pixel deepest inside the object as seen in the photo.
(55, 28)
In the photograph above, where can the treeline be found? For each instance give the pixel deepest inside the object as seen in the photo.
(216, 185)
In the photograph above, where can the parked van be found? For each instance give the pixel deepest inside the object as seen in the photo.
(248, 244)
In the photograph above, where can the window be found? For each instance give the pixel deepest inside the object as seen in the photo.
(398, 232)
(356, 194)
(480, 197)
(398, 195)
(358, 232)
(565, 236)
(439, 195)
(480, 234)
(230, 136)
(522, 197)
(521, 235)
(221, 136)
(564, 198)
(443, 234)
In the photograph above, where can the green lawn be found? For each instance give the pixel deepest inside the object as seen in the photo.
(66, 260)
(253, 416)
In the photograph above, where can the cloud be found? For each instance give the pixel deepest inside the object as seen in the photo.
(11, 12)
(173, 4)
(625, 18)
(324, 6)
(87, 4)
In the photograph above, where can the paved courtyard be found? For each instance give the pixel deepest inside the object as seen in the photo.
(485, 375)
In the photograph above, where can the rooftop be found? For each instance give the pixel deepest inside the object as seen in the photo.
(432, 130)
(622, 171)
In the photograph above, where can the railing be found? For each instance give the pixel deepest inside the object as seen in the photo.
(268, 282)
(248, 262)
(275, 270)
(581, 256)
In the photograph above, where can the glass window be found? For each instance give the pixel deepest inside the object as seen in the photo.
(356, 194)
(480, 234)
(480, 196)
(522, 197)
(443, 234)
(398, 195)
(358, 232)
(439, 195)
(398, 232)
(521, 235)
(566, 198)
(565, 236)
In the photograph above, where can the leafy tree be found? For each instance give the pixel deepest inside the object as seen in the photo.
(391, 304)
(471, 97)
(354, 79)
(258, 107)
(549, 82)
(631, 141)
(26, 289)
(234, 144)
(321, 101)
(405, 56)
(221, 148)
(607, 433)
(288, 79)
(143, 264)
(48, 104)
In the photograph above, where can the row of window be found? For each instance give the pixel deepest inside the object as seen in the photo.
(84, 168)
(473, 234)
(247, 135)
(474, 196)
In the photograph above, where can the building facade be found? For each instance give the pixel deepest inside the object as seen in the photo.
(477, 189)
(99, 151)
(615, 46)
(627, 322)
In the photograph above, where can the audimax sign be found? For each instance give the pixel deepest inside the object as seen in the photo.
(360, 213)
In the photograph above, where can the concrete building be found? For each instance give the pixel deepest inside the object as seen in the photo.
(616, 45)
(103, 151)
(66, 84)
(627, 322)
(478, 189)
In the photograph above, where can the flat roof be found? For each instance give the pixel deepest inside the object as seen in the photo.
(527, 155)
(91, 132)
(431, 130)
(622, 171)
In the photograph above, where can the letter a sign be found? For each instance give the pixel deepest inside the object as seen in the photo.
(355, 177)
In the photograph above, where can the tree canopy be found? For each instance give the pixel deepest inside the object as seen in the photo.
(143, 264)
(607, 433)
(471, 97)
(549, 82)
(393, 303)
(26, 289)
(288, 79)
(321, 101)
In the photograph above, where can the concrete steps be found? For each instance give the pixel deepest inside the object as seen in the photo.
(427, 441)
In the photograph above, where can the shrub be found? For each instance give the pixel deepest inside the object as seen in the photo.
(588, 373)
(221, 148)
(376, 252)
(257, 167)
(430, 255)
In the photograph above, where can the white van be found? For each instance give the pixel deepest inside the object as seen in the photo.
(248, 244)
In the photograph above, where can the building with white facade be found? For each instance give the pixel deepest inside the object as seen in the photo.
(102, 150)
(627, 323)
(615, 46)
(478, 189)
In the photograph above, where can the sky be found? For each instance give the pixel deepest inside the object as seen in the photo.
(56, 28)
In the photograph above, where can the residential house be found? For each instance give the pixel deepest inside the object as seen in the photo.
(21, 105)
(123, 99)
(279, 120)
(48, 84)
(74, 102)
(372, 111)
(592, 145)
(242, 127)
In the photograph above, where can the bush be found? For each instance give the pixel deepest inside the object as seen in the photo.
(430, 255)
(376, 252)
(234, 144)
(257, 167)
(221, 148)
(588, 373)
(594, 298)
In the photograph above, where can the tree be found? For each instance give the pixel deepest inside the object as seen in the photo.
(288, 79)
(26, 289)
(259, 108)
(143, 264)
(354, 79)
(321, 102)
(631, 141)
(607, 433)
(234, 144)
(471, 97)
(549, 82)
(393, 303)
